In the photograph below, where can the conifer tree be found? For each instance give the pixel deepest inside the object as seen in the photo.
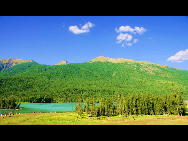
(93, 108)
(134, 105)
(139, 104)
(118, 105)
(130, 104)
(87, 104)
(101, 107)
(106, 107)
(122, 104)
(78, 107)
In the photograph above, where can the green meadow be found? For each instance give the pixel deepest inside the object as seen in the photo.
(74, 119)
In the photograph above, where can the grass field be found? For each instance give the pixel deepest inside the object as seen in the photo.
(73, 119)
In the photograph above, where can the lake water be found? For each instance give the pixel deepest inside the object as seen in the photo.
(43, 107)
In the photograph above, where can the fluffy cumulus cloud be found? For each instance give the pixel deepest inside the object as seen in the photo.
(124, 29)
(127, 28)
(126, 38)
(179, 56)
(83, 29)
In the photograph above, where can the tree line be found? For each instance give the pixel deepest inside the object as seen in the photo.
(9, 103)
(133, 105)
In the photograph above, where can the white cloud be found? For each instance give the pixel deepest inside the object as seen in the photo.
(129, 44)
(84, 28)
(179, 56)
(126, 38)
(135, 40)
(140, 30)
(127, 28)
(87, 26)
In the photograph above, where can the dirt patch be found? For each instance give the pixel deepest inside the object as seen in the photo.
(25, 120)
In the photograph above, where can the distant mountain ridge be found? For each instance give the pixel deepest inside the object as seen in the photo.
(7, 63)
(122, 60)
(62, 63)
(113, 60)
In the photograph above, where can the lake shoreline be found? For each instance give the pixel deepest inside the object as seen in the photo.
(42, 107)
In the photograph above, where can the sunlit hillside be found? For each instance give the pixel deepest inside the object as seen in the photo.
(101, 77)
(7, 63)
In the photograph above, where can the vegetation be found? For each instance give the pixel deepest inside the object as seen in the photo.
(9, 103)
(107, 90)
(134, 105)
(33, 82)
(40, 99)
(72, 118)
(7, 63)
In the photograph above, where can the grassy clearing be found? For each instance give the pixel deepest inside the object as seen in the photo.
(73, 119)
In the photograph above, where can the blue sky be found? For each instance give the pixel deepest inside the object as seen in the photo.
(49, 40)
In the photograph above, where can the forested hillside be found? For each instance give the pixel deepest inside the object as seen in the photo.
(7, 63)
(31, 81)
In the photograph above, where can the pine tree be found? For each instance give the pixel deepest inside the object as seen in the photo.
(134, 105)
(118, 105)
(180, 105)
(93, 113)
(78, 107)
(87, 104)
(106, 107)
(130, 104)
(122, 104)
(101, 107)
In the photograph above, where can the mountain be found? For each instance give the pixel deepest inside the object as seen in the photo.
(62, 63)
(7, 63)
(113, 60)
(120, 60)
(100, 77)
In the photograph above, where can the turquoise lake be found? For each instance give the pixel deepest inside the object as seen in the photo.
(43, 107)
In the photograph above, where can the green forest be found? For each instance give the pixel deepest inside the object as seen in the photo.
(33, 82)
(133, 105)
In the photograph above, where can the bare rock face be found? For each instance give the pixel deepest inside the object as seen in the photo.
(113, 60)
(7, 63)
(62, 63)
(15, 61)
(121, 60)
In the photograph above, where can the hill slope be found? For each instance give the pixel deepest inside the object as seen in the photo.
(62, 63)
(91, 79)
(7, 63)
